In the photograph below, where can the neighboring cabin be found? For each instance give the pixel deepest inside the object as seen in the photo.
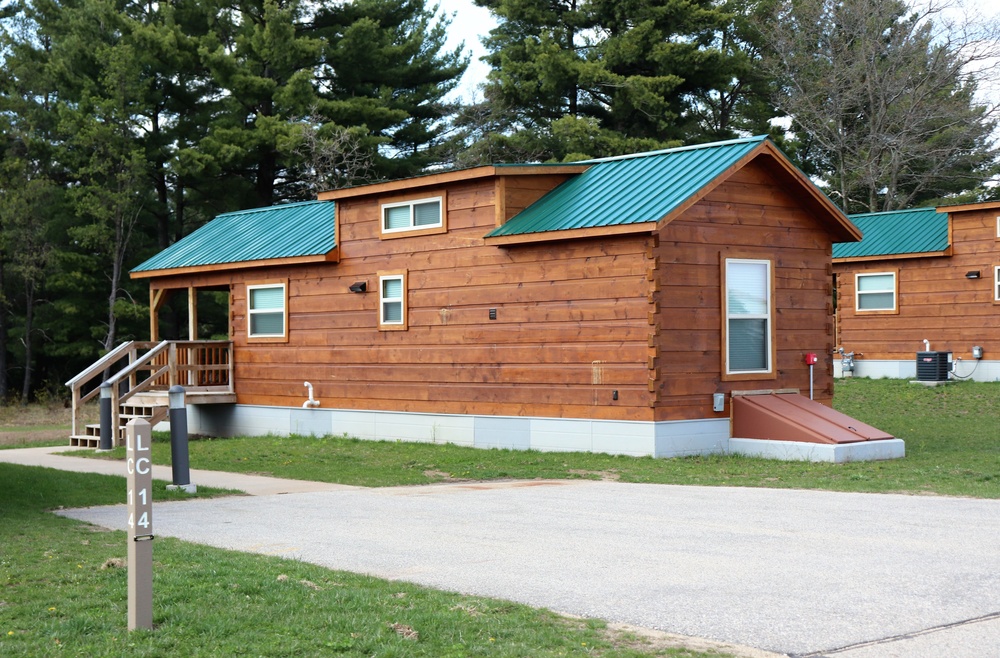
(602, 306)
(924, 274)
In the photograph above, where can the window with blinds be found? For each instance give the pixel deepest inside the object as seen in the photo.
(411, 215)
(875, 291)
(748, 316)
(392, 301)
(266, 311)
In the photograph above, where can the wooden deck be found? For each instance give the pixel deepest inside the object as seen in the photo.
(137, 376)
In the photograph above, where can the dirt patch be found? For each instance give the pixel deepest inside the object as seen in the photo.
(441, 476)
(37, 423)
(16, 437)
(606, 476)
(646, 639)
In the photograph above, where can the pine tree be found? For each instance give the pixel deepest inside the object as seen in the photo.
(603, 76)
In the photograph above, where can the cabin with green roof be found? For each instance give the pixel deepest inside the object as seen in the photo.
(921, 280)
(614, 305)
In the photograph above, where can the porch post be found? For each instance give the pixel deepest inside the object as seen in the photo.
(155, 301)
(192, 313)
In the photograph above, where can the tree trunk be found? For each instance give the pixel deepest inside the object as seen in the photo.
(4, 384)
(266, 168)
(116, 272)
(29, 356)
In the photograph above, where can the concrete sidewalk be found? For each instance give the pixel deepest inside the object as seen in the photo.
(254, 485)
(799, 573)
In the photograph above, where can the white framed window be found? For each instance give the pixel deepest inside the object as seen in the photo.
(412, 215)
(748, 316)
(998, 227)
(996, 283)
(392, 300)
(875, 291)
(266, 304)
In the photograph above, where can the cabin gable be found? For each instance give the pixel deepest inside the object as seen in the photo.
(751, 216)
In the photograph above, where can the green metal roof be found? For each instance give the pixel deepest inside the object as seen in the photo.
(630, 189)
(293, 230)
(915, 231)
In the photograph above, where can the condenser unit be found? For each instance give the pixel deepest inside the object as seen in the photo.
(933, 366)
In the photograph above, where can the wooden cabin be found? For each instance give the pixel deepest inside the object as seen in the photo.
(927, 274)
(611, 305)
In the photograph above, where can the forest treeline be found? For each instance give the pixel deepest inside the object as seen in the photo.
(126, 125)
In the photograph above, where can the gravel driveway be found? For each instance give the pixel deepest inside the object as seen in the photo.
(796, 572)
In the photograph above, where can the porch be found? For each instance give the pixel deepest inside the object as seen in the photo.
(140, 374)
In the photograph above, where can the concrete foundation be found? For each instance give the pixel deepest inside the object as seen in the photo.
(638, 439)
(967, 369)
(819, 452)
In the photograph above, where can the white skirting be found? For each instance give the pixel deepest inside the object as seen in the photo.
(967, 369)
(635, 438)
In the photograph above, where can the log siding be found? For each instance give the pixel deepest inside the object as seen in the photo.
(936, 302)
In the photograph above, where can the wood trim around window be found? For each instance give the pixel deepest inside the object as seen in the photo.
(404, 325)
(772, 372)
(415, 231)
(895, 293)
(285, 320)
(996, 284)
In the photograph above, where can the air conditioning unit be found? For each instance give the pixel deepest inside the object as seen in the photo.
(933, 366)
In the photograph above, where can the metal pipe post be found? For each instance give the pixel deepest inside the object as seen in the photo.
(106, 419)
(179, 440)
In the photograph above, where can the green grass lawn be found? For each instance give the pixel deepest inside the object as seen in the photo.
(63, 592)
(952, 436)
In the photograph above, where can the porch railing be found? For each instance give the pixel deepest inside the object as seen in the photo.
(137, 366)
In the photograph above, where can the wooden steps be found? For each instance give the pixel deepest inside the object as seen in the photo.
(138, 375)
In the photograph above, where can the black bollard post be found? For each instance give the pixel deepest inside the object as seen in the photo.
(179, 441)
(106, 420)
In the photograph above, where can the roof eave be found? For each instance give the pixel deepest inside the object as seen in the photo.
(984, 205)
(571, 234)
(878, 257)
(455, 176)
(332, 256)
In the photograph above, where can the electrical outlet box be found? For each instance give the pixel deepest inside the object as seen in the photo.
(718, 402)
(977, 352)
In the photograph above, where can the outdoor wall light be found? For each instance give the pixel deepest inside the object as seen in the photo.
(974, 274)
(360, 286)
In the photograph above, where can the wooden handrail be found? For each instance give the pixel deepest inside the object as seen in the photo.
(139, 363)
(219, 361)
(101, 364)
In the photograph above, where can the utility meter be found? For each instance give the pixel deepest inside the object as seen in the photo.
(977, 352)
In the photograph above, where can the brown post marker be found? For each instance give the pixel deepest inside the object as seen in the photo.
(138, 436)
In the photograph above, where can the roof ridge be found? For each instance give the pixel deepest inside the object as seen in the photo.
(676, 149)
(271, 207)
(895, 212)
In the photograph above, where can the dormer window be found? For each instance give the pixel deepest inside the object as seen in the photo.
(409, 216)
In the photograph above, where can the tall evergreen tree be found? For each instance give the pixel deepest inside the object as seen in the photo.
(142, 119)
(385, 68)
(600, 77)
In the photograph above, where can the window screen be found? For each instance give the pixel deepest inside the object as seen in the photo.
(397, 217)
(267, 310)
(392, 300)
(876, 292)
(423, 213)
(748, 316)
